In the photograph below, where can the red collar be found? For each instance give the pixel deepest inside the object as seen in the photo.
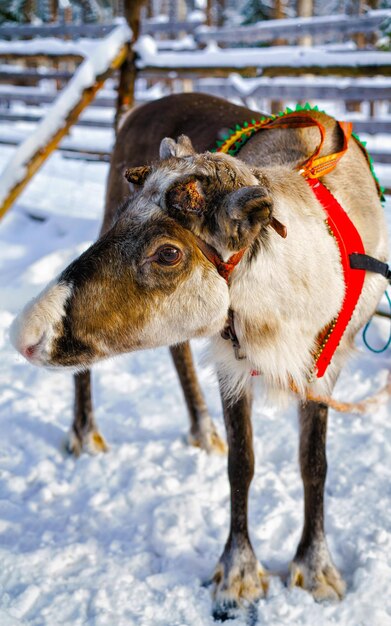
(224, 268)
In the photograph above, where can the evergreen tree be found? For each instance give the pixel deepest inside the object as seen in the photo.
(255, 11)
(13, 11)
(90, 10)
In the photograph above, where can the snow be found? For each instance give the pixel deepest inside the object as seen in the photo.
(129, 538)
(277, 56)
(97, 62)
(49, 46)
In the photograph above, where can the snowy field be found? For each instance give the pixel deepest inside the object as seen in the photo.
(131, 537)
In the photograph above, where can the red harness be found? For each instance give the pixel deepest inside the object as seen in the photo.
(349, 242)
(340, 226)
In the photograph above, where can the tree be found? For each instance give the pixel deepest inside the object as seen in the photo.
(14, 11)
(255, 11)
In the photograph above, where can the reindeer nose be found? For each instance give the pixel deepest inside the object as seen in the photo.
(28, 335)
(30, 351)
(37, 326)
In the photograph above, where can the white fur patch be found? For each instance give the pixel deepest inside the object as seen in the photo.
(293, 288)
(37, 324)
(198, 308)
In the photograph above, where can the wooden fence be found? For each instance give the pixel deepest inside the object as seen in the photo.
(255, 76)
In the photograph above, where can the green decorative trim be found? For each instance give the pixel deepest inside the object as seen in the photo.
(363, 144)
(235, 138)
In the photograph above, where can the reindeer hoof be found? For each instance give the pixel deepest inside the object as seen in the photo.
(92, 443)
(237, 591)
(323, 581)
(208, 439)
(232, 610)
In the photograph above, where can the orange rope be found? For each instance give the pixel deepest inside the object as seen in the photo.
(357, 408)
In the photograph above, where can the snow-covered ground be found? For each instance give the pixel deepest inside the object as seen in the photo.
(130, 537)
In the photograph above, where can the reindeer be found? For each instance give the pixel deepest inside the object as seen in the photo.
(198, 249)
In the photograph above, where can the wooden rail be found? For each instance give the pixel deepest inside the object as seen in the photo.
(68, 31)
(31, 118)
(295, 28)
(93, 31)
(267, 31)
(297, 89)
(80, 152)
(254, 71)
(41, 57)
(368, 126)
(35, 99)
(269, 88)
(104, 155)
(12, 74)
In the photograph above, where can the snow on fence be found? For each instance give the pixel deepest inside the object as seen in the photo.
(107, 56)
(234, 86)
(294, 28)
(251, 62)
(266, 31)
(94, 31)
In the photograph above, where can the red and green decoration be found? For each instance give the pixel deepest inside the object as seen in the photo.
(235, 138)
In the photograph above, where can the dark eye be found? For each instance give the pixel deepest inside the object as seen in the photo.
(168, 255)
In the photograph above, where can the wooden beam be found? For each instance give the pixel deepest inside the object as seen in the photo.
(370, 126)
(40, 156)
(41, 57)
(35, 99)
(298, 89)
(80, 152)
(253, 71)
(9, 116)
(94, 31)
(12, 75)
(68, 31)
(293, 28)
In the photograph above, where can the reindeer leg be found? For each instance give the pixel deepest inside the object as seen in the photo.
(239, 578)
(203, 432)
(84, 435)
(312, 568)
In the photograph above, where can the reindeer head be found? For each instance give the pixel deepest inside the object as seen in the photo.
(146, 282)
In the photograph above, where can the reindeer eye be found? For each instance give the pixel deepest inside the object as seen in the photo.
(168, 255)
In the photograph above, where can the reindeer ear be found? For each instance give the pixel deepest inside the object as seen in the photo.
(245, 213)
(181, 148)
(137, 175)
(251, 204)
(186, 197)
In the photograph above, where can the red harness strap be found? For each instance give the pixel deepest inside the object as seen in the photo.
(349, 242)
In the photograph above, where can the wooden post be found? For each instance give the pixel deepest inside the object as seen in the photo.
(53, 4)
(128, 72)
(29, 9)
(220, 10)
(209, 12)
(305, 9)
(358, 9)
(278, 105)
(279, 10)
